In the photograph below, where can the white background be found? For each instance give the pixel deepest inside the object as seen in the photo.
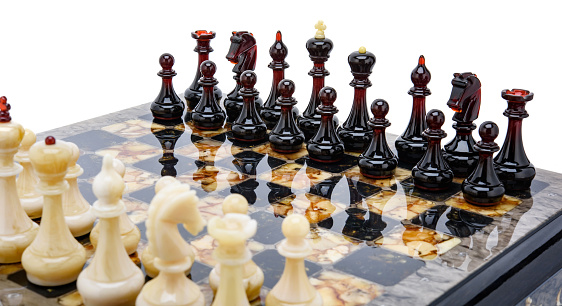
(64, 62)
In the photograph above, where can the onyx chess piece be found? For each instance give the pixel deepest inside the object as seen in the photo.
(378, 161)
(194, 92)
(432, 172)
(167, 106)
(355, 132)
(208, 115)
(325, 146)
(411, 145)
(460, 153)
(249, 127)
(286, 137)
(483, 187)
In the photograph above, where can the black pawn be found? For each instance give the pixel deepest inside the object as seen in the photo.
(325, 146)
(208, 115)
(378, 161)
(286, 137)
(167, 106)
(249, 127)
(432, 172)
(483, 187)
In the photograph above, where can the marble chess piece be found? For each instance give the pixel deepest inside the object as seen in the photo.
(31, 200)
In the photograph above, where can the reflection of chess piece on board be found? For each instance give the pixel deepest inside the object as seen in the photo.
(54, 258)
(286, 137)
(111, 278)
(294, 287)
(252, 274)
(249, 127)
(31, 200)
(17, 230)
(173, 204)
(208, 115)
(168, 133)
(167, 105)
(130, 233)
(77, 211)
(194, 92)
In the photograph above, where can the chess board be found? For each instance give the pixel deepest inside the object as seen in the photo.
(379, 242)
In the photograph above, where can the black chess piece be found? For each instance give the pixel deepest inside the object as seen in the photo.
(286, 137)
(512, 164)
(483, 187)
(465, 101)
(271, 112)
(432, 172)
(249, 126)
(378, 161)
(194, 92)
(243, 51)
(167, 106)
(208, 115)
(325, 146)
(411, 145)
(355, 132)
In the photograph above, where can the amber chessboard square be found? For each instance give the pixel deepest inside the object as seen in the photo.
(507, 203)
(211, 178)
(130, 129)
(266, 149)
(397, 205)
(205, 133)
(315, 208)
(130, 152)
(343, 289)
(400, 175)
(208, 150)
(296, 176)
(329, 247)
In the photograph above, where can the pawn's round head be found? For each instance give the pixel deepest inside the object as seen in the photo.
(488, 131)
(166, 61)
(435, 119)
(164, 182)
(327, 95)
(248, 79)
(286, 88)
(379, 108)
(28, 140)
(208, 68)
(235, 204)
(295, 226)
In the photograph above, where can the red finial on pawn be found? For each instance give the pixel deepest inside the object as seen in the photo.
(4, 110)
(50, 140)
(421, 61)
(278, 36)
(420, 75)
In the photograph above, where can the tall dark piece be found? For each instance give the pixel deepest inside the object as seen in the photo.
(194, 92)
(378, 161)
(271, 112)
(167, 106)
(325, 146)
(432, 172)
(319, 48)
(243, 51)
(355, 132)
(411, 145)
(483, 187)
(512, 165)
(208, 115)
(460, 153)
(249, 127)
(286, 137)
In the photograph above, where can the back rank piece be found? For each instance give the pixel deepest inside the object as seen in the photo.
(167, 106)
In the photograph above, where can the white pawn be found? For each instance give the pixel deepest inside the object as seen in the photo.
(253, 275)
(111, 278)
(31, 200)
(54, 258)
(231, 233)
(174, 203)
(77, 211)
(130, 233)
(294, 287)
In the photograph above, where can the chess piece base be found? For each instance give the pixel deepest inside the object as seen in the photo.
(80, 224)
(53, 271)
(97, 293)
(33, 206)
(325, 153)
(462, 166)
(13, 246)
(432, 181)
(515, 178)
(482, 195)
(410, 151)
(252, 284)
(377, 169)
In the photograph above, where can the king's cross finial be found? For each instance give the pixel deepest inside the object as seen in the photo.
(320, 26)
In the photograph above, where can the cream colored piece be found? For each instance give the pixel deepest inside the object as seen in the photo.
(17, 230)
(31, 200)
(77, 211)
(174, 203)
(130, 233)
(320, 27)
(231, 233)
(294, 287)
(111, 278)
(54, 258)
(252, 274)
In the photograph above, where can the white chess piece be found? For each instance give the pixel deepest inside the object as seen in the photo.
(54, 258)
(31, 200)
(130, 233)
(174, 203)
(231, 233)
(111, 278)
(252, 274)
(294, 287)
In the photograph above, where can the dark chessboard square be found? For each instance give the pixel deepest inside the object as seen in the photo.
(536, 187)
(199, 271)
(379, 266)
(273, 265)
(258, 192)
(184, 140)
(250, 163)
(347, 162)
(269, 228)
(20, 278)
(452, 221)
(360, 224)
(91, 163)
(147, 117)
(435, 196)
(87, 192)
(95, 140)
(227, 138)
(344, 190)
(172, 167)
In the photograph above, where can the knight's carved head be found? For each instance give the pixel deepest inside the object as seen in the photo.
(465, 97)
(240, 42)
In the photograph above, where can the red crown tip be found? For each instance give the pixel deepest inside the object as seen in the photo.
(50, 140)
(3, 99)
(278, 36)
(3, 104)
(421, 61)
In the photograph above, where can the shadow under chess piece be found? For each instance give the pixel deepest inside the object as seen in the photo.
(30, 198)
(249, 127)
(286, 137)
(167, 105)
(326, 146)
(208, 115)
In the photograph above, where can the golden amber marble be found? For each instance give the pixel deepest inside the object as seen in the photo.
(71, 299)
(266, 149)
(204, 247)
(296, 176)
(205, 133)
(314, 208)
(397, 205)
(507, 203)
(338, 289)
(400, 175)
(211, 178)
(328, 247)
(209, 150)
(129, 129)
(130, 152)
